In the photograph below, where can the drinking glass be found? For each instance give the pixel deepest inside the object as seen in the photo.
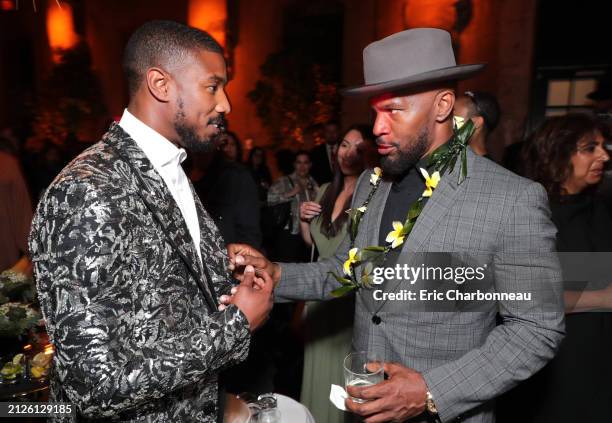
(362, 369)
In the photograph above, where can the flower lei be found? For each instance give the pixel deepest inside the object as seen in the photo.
(443, 159)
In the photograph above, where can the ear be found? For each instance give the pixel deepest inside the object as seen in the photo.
(158, 84)
(443, 104)
(478, 122)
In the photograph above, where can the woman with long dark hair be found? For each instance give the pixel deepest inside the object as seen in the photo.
(328, 325)
(567, 156)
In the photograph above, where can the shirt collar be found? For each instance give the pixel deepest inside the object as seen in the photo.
(158, 149)
(412, 175)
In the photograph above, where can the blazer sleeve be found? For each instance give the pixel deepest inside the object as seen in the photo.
(83, 264)
(312, 281)
(531, 331)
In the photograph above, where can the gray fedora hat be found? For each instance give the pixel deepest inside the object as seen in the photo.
(408, 59)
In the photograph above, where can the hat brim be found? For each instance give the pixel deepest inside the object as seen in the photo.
(446, 74)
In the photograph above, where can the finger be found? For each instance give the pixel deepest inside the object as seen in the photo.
(368, 393)
(392, 368)
(387, 416)
(249, 275)
(256, 262)
(235, 249)
(258, 282)
(221, 307)
(268, 282)
(374, 366)
(366, 408)
(234, 290)
(225, 299)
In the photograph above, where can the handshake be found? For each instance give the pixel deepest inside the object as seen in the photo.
(257, 276)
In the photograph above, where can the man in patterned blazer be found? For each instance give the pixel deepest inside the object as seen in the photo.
(128, 264)
(442, 364)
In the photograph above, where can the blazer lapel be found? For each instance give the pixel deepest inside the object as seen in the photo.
(436, 208)
(212, 246)
(377, 204)
(154, 192)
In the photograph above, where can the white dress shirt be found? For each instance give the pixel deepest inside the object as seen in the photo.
(166, 159)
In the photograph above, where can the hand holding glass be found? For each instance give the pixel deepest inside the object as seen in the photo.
(362, 369)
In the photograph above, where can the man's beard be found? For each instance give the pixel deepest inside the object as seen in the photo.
(189, 138)
(408, 158)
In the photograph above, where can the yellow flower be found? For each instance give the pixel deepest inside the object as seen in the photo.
(352, 259)
(362, 209)
(375, 176)
(430, 182)
(396, 236)
(459, 121)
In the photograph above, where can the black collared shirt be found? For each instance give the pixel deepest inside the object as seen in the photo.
(405, 190)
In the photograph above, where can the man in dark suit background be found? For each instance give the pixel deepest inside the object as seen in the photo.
(128, 264)
(323, 155)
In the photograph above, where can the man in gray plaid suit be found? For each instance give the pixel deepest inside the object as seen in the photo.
(445, 365)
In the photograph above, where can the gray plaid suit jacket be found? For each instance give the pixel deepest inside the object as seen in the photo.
(131, 312)
(466, 359)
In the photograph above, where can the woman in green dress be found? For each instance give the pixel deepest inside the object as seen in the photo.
(328, 325)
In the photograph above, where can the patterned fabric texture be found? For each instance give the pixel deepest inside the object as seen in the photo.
(131, 312)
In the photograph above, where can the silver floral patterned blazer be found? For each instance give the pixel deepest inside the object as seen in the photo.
(130, 310)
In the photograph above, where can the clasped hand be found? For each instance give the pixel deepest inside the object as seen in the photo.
(254, 295)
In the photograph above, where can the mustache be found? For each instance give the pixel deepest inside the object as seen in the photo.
(219, 121)
(392, 143)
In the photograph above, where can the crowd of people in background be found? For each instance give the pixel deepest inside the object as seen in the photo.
(568, 155)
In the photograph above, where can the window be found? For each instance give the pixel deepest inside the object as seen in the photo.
(559, 90)
(569, 95)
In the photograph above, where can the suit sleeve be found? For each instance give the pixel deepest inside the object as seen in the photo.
(85, 266)
(312, 281)
(531, 331)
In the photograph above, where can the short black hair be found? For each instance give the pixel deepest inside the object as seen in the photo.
(162, 43)
(486, 106)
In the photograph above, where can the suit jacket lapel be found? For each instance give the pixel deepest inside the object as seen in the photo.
(159, 200)
(436, 208)
(377, 204)
(212, 246)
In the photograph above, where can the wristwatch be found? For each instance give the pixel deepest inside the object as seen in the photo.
(430, 404)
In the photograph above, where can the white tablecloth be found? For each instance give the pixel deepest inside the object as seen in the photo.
(292, 411)
(236, 411)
